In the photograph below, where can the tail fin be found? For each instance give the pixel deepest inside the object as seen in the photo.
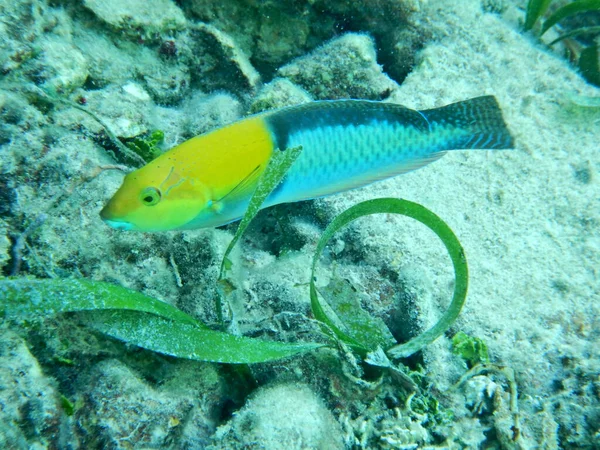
(479, 119)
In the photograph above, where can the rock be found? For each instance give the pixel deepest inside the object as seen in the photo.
(124, 411)
(345, 67)
(137, 19)
(278, 93)
(32, 416)
(165, 77)
(108, 64)
(55, 72)
(217, 62)
(269, 32)
(37, 40)
(398, 50)
(392, 25)
(24, 22)
(272, 33)
(170, 121)
(206, 112)
(124, 109)
(285, 32)
(167, 84)
(16, 117)
(287, 416)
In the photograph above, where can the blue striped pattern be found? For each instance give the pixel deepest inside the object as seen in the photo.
(348, 144)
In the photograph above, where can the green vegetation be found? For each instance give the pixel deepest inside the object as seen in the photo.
(361, 334)
(67, 405)
(137, 319)
(472, 349)
(148, 323)
(357, 328)
(146, 146)
(589, 65)
(535, 9)
(278, 166)
(586, 58)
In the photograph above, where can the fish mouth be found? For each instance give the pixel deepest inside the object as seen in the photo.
(108, 217)
(118, 224)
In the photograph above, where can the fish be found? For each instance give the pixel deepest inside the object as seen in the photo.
(208, 180)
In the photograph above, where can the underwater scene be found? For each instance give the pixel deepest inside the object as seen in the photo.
(308, 224)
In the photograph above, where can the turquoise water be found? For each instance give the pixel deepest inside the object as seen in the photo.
(84, 87)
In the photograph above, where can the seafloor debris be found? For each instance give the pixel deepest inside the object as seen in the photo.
(272, 33)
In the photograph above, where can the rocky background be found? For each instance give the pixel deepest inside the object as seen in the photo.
(77, 74)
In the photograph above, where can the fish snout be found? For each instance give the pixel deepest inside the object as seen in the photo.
(108, 216)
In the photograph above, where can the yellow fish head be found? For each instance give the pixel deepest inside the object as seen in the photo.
(155, 198)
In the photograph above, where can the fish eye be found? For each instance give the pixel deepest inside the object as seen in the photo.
(150, 196)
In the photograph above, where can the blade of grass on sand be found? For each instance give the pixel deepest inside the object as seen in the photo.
(50, 296)
(568, 10)
(278, 166)
(139, 320)
(430, 220)
(535, 9)
(576, 32)
(183, 340)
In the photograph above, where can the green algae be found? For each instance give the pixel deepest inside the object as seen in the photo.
(356, 325)
(589, 65)
(146, 146)
(470, 348)
(535, 9)
(569, 10)
(67, 405)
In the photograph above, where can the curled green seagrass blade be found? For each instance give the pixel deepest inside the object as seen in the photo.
(427, 218)
(366, 331)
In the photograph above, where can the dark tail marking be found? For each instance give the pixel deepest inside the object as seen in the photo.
(480, 117)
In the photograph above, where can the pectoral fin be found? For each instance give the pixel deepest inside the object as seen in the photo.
(242, 188)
